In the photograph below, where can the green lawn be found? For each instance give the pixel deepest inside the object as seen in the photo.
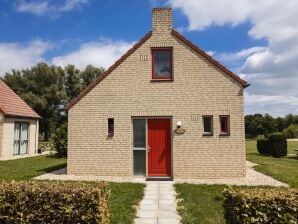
(284, 169)
(203, 203)
(124, 198)
(27, 168)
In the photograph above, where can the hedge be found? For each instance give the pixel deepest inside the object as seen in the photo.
(274, 145)
(47, 202)
(278, 145)
(263, 146)
(255, 205)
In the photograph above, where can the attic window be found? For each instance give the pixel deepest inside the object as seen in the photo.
(162, 63)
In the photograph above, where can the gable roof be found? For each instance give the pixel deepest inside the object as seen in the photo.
(11, 104)
(136, 46)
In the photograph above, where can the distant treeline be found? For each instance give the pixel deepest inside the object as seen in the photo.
(259, 124)
(48, 88)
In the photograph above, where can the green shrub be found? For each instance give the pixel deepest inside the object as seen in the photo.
(46, 202)
(263, 146)
(59, 141)
(278, 145)
(291, 131)
(275, 205)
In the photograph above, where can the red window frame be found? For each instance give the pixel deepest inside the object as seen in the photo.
(153, 51)
(224, 124)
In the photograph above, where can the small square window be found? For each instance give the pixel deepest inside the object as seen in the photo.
(207, 125)
(162, 63)
(110, 127)
(224, 125)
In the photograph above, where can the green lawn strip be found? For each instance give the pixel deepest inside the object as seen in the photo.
(283, 169)
(201, 203)
(27, 168)
(124, 199)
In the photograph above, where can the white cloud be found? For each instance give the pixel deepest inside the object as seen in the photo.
(45, 7)
(273, 104)
(243, 54)
(20, 56)
(272, 70)
(101, 53)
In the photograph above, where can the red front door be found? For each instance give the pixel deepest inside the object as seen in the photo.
(159, 147)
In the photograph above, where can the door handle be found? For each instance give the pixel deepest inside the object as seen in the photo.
(148, 148)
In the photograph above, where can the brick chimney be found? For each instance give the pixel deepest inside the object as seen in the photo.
(162, 20)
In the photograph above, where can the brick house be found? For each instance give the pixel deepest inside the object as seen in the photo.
(164, 109)
(18, 126)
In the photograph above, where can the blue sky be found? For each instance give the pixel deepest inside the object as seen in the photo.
(241, 34)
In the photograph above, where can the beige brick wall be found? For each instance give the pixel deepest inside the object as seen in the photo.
(8, 136)
(198, 89)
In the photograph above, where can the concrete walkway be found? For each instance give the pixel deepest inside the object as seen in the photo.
(158, 205)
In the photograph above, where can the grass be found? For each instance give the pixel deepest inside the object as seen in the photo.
(284, 169)
(124, 198)
(27, 168)
(203, 203)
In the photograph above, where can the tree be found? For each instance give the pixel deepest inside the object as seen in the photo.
(73, 86)
(89, 74)
(47, 89)
(258, 124)
(269, 124)
(42, 87)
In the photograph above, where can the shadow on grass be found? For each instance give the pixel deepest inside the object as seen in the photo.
(292, 157)
(52, 168)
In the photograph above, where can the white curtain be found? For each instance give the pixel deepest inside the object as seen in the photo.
(16, 143)
(24, 138)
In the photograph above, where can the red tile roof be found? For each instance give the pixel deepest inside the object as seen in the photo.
(136, 46)
(11, 104)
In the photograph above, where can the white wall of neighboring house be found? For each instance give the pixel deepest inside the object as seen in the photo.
(7, 139)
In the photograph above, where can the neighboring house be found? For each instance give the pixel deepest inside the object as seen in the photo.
(164, 109)
(18, 126)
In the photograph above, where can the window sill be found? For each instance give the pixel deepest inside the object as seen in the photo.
(162, 80)
(207, 134)
(224, 134)
(110, 135)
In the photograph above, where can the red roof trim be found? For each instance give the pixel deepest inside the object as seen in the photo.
(107, 72)
(210, 59)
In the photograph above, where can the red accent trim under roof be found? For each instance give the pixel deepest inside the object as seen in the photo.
(107, 72)
(210, 59)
